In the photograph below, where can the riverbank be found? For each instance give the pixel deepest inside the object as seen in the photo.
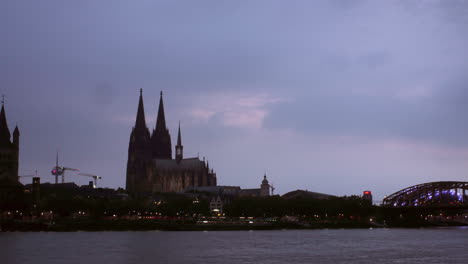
(147, 225)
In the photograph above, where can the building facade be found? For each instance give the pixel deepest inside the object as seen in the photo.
(367, 197)
(150, 166)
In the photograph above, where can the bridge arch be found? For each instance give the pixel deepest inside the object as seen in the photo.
(440, 194)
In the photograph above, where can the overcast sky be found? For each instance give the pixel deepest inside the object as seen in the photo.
(335, 96)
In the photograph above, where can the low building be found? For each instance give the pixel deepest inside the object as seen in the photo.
(307, 194)
(263, 191)
(249, 193)
(216, 205)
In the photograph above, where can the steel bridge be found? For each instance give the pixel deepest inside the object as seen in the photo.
(431, 194)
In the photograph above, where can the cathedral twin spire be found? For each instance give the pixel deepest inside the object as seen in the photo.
(151, 166)
(160, 142)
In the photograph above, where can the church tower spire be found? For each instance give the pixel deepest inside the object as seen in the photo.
(140, 122)
(9, 151)
(179, 148)
(161, 139)
(139, 151)
(4, 131)
(161, 119)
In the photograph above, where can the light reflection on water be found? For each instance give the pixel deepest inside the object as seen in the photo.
(439, 245)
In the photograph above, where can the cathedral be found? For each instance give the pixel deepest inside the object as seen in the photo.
(150, 166)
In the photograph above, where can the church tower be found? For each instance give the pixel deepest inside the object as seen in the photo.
(265, 187)
(179, 148)
(139, 152)
(161, 146)
(9, 151)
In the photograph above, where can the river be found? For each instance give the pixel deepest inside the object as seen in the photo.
(437, 245)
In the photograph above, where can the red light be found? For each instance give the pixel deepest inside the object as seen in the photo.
(367, 192)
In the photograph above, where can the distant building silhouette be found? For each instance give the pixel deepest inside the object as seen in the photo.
(265, 187)
(307, 194)
(9, 151)
(367, 196)
(263, 191)
(150, 167)
(219, 196)
(10, 187)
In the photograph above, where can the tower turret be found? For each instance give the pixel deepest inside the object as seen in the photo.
(161, 146)
(264, 187)
(179, 148)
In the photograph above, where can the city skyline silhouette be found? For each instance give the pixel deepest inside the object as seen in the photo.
(334, 97)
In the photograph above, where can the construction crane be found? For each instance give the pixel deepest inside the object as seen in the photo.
(272, 189)
(60, 171)
(95, 177)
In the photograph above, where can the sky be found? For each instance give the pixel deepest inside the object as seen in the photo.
(333, 96)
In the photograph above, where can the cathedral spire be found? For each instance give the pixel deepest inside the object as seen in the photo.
(4, 131)
(139, 151)
(179, 148)
(179, 139)
(140, 122)
(161, 119)
(161, 139)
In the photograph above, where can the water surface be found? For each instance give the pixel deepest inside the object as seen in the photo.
(441, 245)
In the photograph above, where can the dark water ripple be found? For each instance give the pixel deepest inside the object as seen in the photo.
(444, 245)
